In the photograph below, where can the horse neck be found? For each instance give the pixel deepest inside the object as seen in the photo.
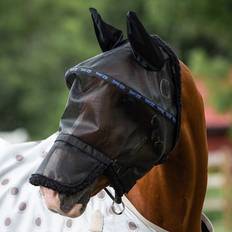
(171, 195)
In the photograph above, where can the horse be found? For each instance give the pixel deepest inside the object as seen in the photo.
(134, 120)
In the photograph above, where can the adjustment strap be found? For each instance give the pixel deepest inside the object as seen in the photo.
(117, 199)
(111, 173)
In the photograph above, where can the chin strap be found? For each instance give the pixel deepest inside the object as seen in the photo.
(117, 200)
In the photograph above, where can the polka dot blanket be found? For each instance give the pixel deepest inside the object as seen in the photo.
(22, 208)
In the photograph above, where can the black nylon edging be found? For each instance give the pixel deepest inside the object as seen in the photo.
(40, 180)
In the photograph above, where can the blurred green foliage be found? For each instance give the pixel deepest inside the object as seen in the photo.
(41, 39)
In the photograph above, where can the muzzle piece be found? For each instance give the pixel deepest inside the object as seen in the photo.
(70, 166)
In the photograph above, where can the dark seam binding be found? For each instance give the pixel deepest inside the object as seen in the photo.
(74, 140)
(177, 83)
(40, 180)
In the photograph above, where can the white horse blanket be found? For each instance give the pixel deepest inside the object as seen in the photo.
(22, 208)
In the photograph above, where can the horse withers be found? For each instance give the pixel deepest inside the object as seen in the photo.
(134, 120)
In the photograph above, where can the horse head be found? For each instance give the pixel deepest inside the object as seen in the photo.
(122, 118)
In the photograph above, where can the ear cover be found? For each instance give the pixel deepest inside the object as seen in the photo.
(145, 49)
(108, 36)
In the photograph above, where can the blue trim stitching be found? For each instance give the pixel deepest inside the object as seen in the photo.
(122, 87)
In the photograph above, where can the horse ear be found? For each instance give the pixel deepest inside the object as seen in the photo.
(145, 48)
(108, 36)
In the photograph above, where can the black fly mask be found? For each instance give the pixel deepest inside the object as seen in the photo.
(122, 114)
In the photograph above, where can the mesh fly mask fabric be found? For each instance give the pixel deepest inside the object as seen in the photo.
(122, 114)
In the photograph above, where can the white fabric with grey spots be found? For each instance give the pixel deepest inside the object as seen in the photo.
(22, 208)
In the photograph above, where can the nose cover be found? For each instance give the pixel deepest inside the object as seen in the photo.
(120, 120)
